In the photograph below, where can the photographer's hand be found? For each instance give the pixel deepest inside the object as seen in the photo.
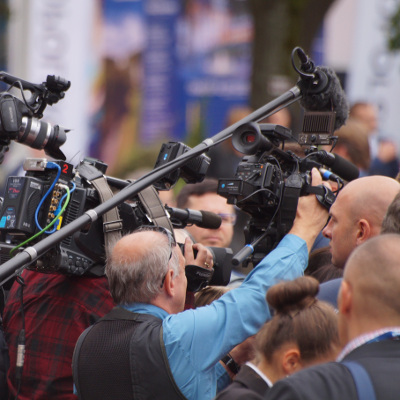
(203, 257)
(311, 216)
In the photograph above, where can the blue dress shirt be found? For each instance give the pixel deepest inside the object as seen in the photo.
(195, 340)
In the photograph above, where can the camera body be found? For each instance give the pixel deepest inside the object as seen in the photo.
(26, 210)
(20, 119)
(268, 183)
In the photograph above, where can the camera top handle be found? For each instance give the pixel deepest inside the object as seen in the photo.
(46, 93)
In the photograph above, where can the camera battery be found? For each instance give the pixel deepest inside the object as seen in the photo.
(21, 199)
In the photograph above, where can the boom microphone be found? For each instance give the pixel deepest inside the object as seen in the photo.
(321, 89)
(339, 165)
(203, 219)
(331, 98)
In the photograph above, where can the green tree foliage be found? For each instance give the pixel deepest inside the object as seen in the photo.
(279, 27)
(394, 31)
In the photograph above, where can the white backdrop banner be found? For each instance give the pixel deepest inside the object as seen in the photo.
(60, 42)
(374, 73)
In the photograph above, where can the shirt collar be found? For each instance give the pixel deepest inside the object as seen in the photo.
(143, 308)
(258, 371)
(374, 336)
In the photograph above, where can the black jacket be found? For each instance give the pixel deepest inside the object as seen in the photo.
(246, 385)
(333, 381)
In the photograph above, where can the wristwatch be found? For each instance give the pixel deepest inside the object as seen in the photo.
(232, 365)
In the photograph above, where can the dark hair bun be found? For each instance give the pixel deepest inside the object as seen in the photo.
(289, 296)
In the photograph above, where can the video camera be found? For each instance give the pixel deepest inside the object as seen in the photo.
(269, 181)
(52, 194)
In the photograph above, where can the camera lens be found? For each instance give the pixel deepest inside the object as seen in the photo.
(41, 135)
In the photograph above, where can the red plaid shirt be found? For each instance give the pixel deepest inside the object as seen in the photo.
(57, 310)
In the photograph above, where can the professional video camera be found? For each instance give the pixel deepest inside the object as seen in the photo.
(269, 180)
(268, 183)
(52, 194)
(19, 120)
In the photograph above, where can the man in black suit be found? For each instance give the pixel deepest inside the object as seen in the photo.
(369, 326)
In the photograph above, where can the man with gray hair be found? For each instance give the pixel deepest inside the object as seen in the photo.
(148, 347)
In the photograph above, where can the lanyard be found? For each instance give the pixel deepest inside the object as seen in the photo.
(393, 335)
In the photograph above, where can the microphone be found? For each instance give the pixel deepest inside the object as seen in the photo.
(328, 175)
(321, 90)
(203, 219)
(339, 165)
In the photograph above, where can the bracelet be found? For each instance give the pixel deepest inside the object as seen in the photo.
(231, 364)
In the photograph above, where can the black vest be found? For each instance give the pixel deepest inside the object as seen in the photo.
(122, 356)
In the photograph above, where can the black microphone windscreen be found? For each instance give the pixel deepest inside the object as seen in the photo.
(344, 168)
(331, 98)
(210, 220)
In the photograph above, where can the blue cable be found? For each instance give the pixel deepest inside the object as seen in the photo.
(50, 165)
(59, 208)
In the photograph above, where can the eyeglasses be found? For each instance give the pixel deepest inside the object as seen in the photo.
(228, 219)
(165, 231)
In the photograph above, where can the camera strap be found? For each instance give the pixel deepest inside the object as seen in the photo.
(289, 202)
(154, 208)
(112, 224)
(324, 195)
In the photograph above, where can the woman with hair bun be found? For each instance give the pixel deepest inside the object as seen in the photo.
(302, 332)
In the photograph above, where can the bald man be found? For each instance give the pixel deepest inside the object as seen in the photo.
(369, 327)
(357, 214)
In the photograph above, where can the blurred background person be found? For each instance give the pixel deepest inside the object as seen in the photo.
(384, 159)
(352, 144)
(204, 196)
(391, 220)
(320, 265)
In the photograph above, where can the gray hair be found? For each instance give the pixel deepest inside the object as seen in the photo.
(139, 280)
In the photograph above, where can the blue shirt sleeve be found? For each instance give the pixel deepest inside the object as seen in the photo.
(223, 378)
(195, 340)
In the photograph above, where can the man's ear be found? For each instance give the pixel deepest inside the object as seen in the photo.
(291, 360)
(169, 283)
(364, 231)
(345, 298)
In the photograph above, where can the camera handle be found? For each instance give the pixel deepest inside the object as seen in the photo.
(287, 212)
(15, 266)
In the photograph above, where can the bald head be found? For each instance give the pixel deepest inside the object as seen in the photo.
(373, 274)
(357, 214)
(134, 246)
(369, 197)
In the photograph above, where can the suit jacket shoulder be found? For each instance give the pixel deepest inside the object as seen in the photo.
(326, 381)
(333, 380)
(246, 385)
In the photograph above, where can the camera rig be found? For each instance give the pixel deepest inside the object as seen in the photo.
(20, 119)
(52, 194)
(267, 185)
